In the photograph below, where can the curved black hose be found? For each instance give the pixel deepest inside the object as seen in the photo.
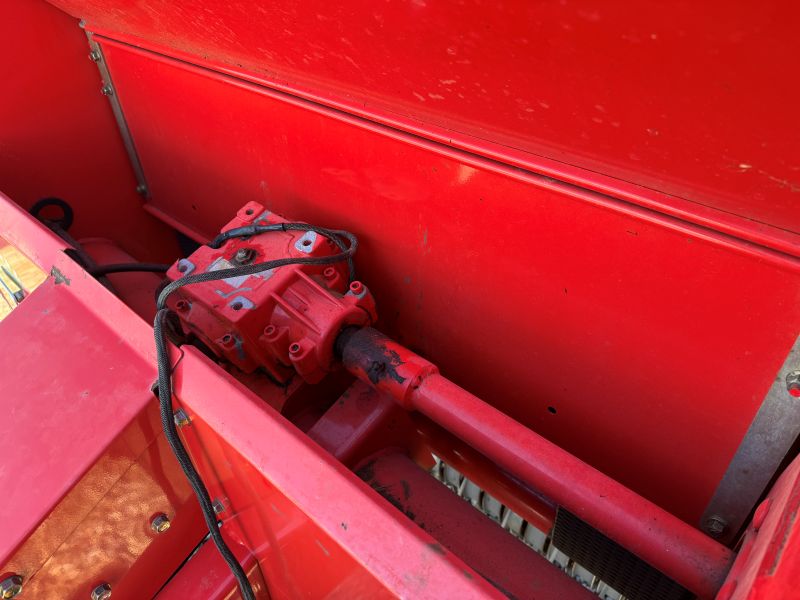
(347, 242)
(67, 214)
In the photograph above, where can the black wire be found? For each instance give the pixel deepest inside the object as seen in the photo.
(346, 241)
(101, 270)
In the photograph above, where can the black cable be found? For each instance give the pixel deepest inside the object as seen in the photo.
(101, 270)
(346, 241)
(67, 214)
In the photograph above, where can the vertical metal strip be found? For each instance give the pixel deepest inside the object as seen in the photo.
(772, 433)
(96, 54)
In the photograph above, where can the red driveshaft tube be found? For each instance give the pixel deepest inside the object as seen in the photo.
(668, 544)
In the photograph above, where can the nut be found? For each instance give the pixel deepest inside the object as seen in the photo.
(244, 256)
(11, 586)
(101, 592)
(160, 523)
(715, 525)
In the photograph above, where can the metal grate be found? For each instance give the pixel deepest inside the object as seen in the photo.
(608, 560)
(575, 547)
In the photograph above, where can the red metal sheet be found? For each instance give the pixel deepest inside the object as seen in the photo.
(687, 98)
(58, 135)
(603, 326)
(84, 467)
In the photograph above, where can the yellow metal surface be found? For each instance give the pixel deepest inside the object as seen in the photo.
(15, 265)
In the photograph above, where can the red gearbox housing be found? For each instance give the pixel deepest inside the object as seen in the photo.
(283, 320)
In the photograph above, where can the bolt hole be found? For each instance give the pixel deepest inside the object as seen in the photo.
(306, 243)
(227, 338)
(249, 211)
(552, 410)
(270, 330)
(183, 267)
(237, 305)
(294, 348)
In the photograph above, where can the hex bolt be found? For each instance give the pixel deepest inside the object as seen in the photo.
(181, 418)
(244, 256)
(160, 523)
(101, 592)
(141, 189)
(11, 586)
(793, 384)
(715, 525)
(94, 55)
(107, 90)
(218, 506)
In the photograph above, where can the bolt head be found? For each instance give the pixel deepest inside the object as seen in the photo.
(107, 90)
(141, 189)
(160, 523)
(244, 256)
(793, 384)
(101, 592)
(715, 525)
(181, 418)
(11, 586)
(94, 55)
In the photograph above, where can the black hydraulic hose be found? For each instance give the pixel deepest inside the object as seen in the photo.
(347, 242)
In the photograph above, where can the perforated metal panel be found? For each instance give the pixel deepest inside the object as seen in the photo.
(612, 563)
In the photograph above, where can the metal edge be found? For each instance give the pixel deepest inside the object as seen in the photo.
(771, 434)
(108, 90)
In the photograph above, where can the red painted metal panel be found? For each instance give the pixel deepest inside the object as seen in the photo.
(84, 467)
(572, 301)
(58, 136)
(687, 98)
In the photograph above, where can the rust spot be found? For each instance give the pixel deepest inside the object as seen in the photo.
(59, 277)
